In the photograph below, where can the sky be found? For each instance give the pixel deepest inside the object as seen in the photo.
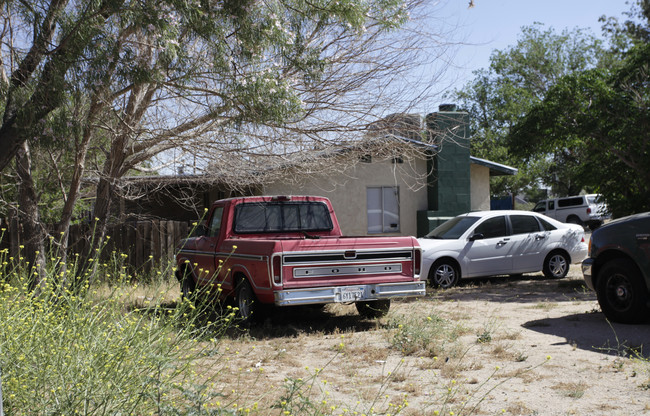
(496, 24)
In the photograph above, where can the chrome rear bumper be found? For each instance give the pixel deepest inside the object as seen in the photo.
(341, 294)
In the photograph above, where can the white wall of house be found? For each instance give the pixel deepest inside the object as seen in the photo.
(479, 187)
(347, 191)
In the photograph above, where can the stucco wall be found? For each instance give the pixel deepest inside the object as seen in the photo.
(347, 191)
(480, 187)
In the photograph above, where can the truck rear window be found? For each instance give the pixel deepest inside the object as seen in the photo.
(270, 217)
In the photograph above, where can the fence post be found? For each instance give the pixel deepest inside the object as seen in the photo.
(155, 242)
(138, 244)
(147, 251)
(170, 240)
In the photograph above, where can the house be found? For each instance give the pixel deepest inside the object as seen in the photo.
(421, 181)
(403, 194)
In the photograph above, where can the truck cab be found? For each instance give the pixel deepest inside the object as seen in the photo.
(586, 210)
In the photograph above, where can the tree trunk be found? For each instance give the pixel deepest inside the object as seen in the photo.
(116, 165)
(103, 199)
(73, 195)
(33, 250)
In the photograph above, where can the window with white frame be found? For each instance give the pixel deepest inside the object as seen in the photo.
(382, 203)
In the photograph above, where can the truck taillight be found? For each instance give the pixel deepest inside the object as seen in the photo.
(417, 261)
(277, 270)
(588, 210)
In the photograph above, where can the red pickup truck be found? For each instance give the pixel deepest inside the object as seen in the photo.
(288, 250)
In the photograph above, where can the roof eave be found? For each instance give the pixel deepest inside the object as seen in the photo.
(496, 169)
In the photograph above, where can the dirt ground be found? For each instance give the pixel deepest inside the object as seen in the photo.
(518, 346)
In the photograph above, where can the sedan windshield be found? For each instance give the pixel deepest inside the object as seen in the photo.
(453, 228)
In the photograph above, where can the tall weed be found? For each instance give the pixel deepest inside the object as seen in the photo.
(93, 352)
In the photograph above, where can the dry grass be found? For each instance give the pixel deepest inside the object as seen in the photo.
(518, 408)
(575, 390)
(544, 306)
(380, 362)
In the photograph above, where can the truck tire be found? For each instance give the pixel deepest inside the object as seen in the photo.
(373, 308)
(621, 293)
(556, 265)
(246, 301)
(574, 220)
(593, 225)
(190, 293)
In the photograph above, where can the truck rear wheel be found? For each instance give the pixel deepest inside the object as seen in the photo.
(188, 285)
(246, 301)
(574, 220)
(373, 308)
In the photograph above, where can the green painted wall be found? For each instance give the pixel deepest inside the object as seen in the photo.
(448, 188)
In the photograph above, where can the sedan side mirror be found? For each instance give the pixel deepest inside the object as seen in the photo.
(477, 236)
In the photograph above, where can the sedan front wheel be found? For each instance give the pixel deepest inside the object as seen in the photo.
(444, 274)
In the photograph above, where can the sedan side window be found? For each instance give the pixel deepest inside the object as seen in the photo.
(492, 227)
(524, 224)
(547, 225)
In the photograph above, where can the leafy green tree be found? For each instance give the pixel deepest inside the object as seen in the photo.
(99, 88)
(634, 30)
(518, 78)
(601, 117)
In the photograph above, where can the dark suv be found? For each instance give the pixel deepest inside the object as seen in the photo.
(618, 268)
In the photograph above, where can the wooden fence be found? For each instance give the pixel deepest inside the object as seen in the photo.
(147, 244)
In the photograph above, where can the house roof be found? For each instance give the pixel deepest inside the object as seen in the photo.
(496, 169)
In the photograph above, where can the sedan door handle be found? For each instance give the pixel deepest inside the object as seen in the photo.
(503, 242)
(540, 237)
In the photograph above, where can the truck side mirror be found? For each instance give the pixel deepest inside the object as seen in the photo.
(200, 231)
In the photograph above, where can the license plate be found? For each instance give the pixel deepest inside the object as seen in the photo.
(350, 294)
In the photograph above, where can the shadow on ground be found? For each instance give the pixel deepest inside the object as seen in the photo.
(272, 322)
(587, 331)
(292, 321)
(523, 289)
(591, 331)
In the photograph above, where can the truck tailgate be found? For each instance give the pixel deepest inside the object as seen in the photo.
(348, 269)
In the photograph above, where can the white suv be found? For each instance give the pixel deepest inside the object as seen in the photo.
(587, 210)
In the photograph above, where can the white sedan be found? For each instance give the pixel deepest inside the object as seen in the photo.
(488, 243)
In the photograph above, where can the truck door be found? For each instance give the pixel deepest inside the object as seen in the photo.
(540, 207)
(207, 249)
(550, 211)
